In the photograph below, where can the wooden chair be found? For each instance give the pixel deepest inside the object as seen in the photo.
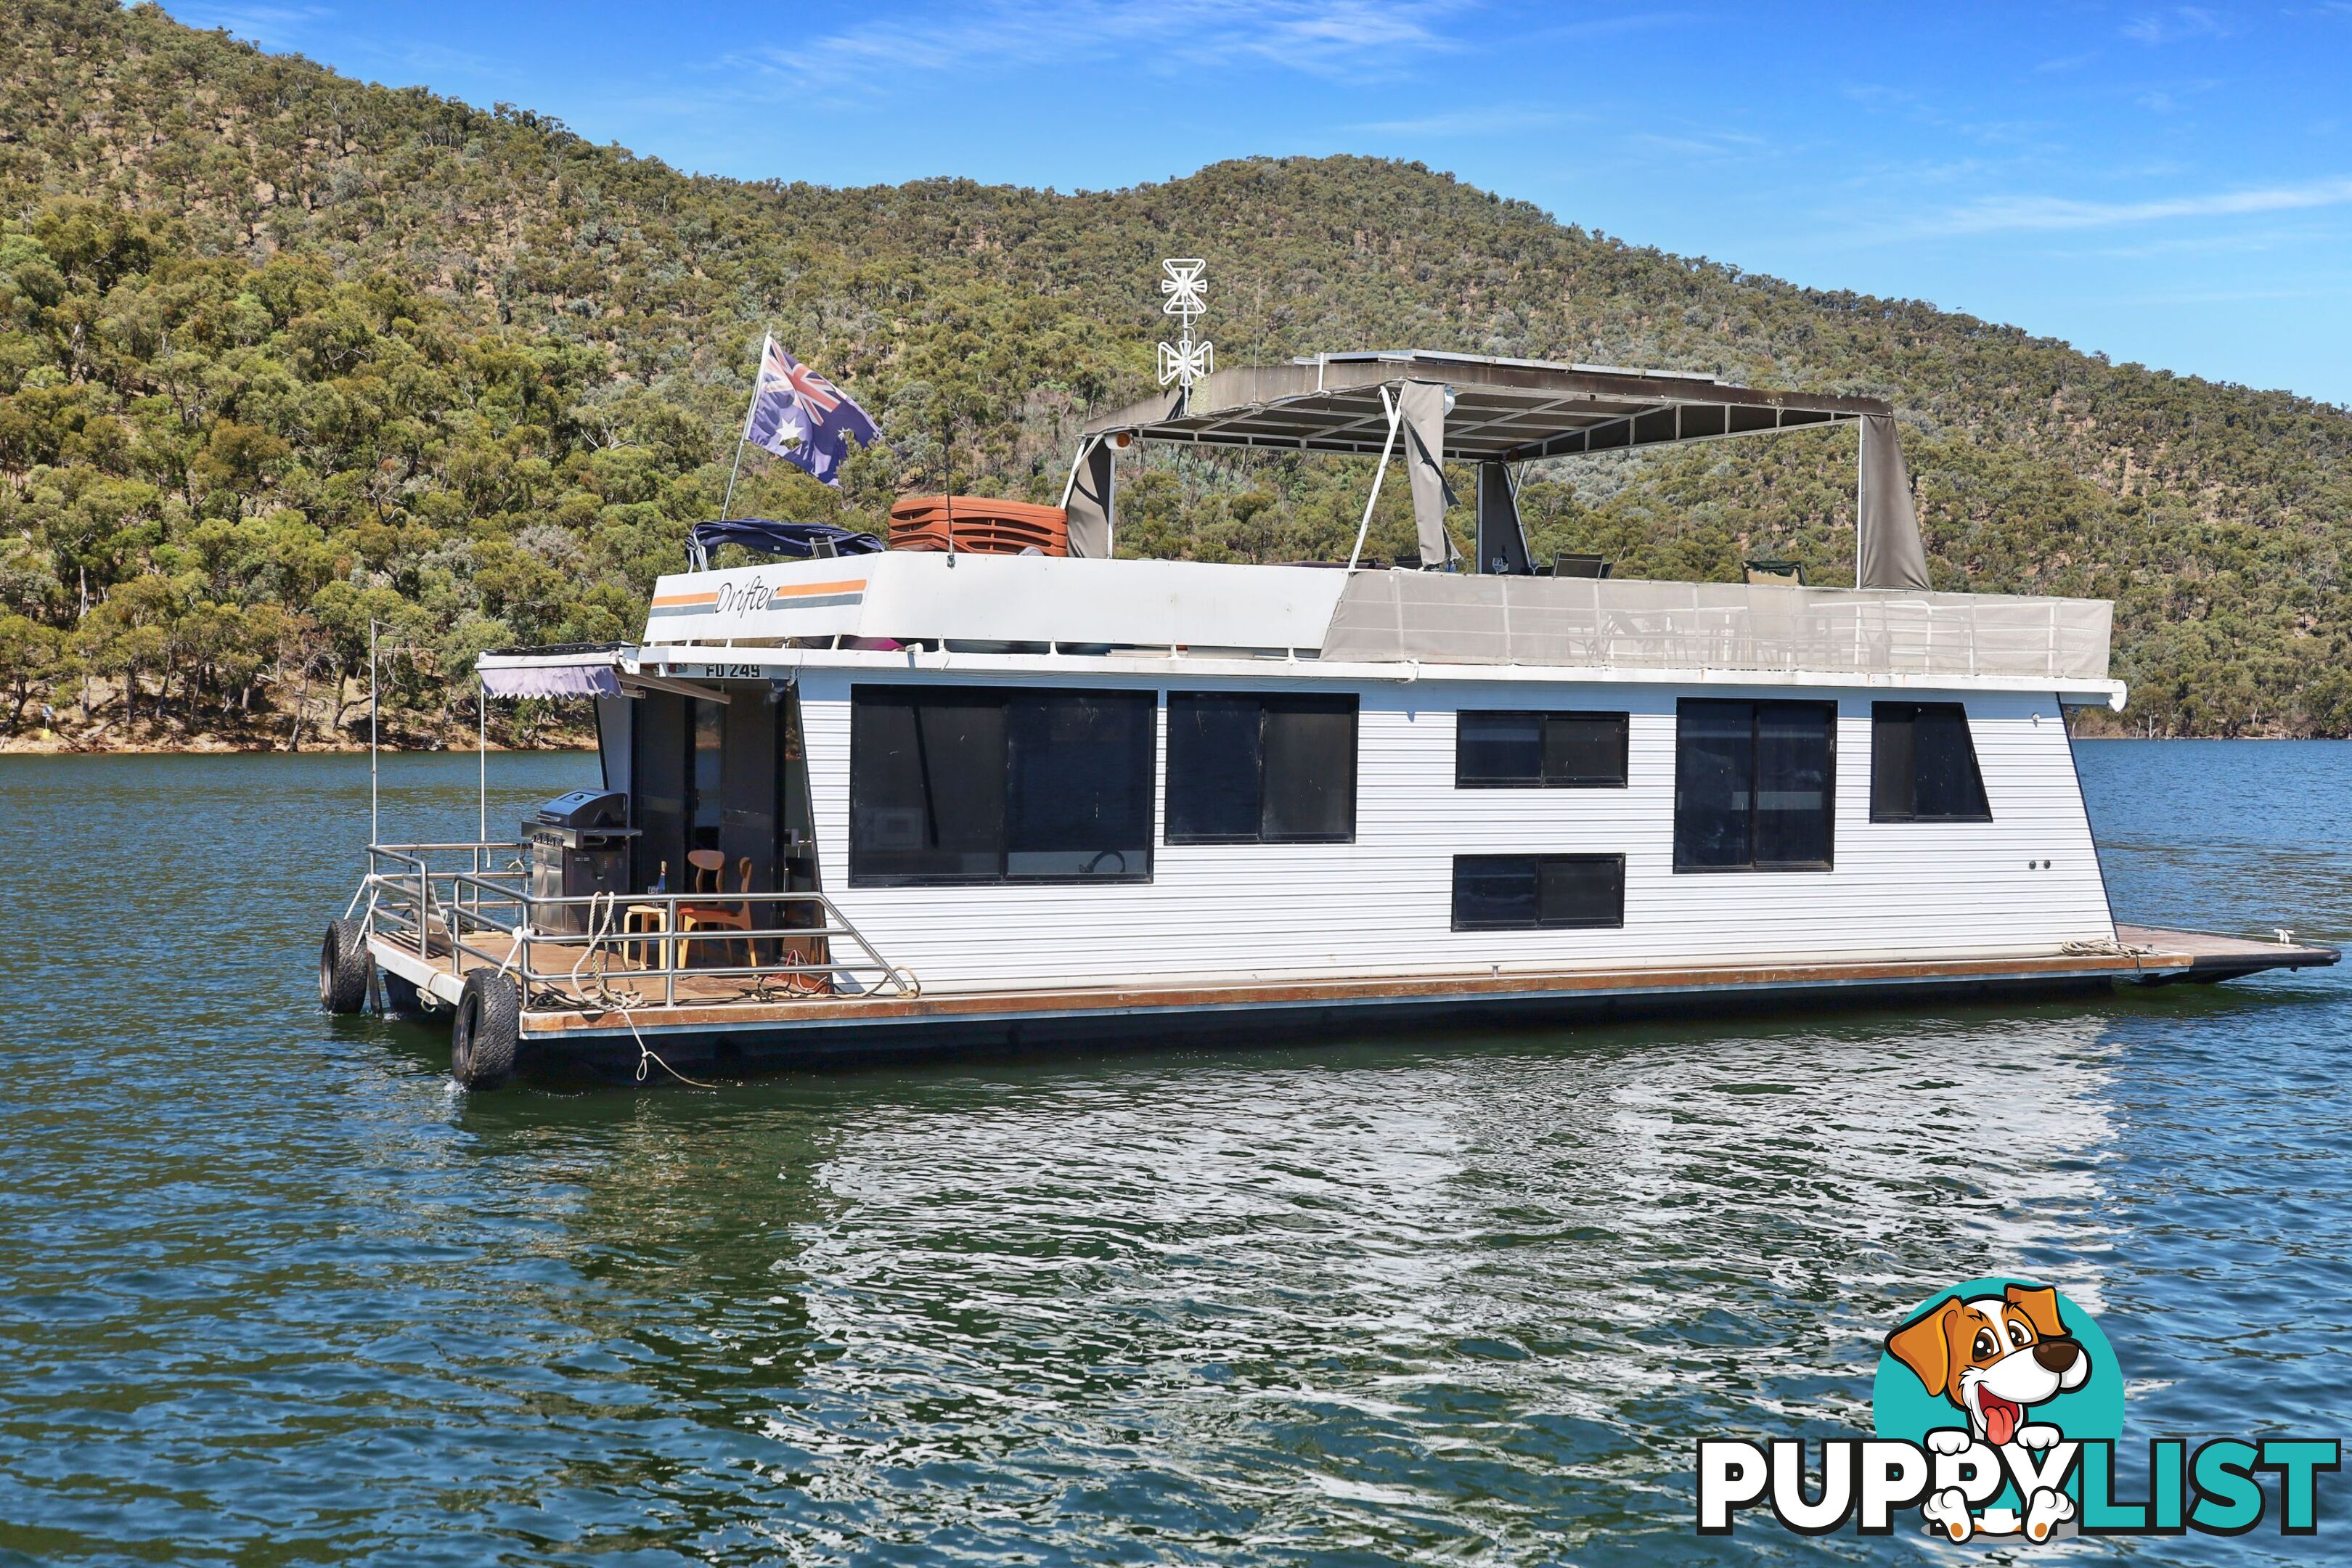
(711, 877)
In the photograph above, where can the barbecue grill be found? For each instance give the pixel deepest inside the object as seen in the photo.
(579, 847)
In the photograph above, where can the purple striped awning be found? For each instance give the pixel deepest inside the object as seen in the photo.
(560, 675)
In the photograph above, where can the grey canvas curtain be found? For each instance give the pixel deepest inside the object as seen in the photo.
(1090, 501)
(1422, 408)
(1501, 542)
(1887, 552)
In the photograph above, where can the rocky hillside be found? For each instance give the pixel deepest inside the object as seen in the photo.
(280, 350)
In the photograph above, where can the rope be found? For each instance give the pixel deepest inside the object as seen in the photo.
(600, 908)
(646, 1053)
(2106, 947)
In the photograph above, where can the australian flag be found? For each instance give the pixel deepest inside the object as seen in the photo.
(802, 417)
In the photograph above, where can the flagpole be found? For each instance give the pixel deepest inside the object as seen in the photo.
(726, 507)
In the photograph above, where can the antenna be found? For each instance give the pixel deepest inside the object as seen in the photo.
(1185, 362)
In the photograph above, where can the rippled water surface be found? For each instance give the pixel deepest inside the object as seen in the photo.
(272, 1290)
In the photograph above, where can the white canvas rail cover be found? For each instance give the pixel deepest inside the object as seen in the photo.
(1588, 623)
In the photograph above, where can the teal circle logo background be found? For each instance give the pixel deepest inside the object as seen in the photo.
(1902, 1407)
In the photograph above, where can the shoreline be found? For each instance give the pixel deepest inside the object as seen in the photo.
(58, 743)
(52, 743)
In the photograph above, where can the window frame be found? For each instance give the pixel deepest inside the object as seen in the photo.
(1004, 699)
(1755, 707)
(1537, 860)
(1880, 712)
(1544, 717)
(1268, 702)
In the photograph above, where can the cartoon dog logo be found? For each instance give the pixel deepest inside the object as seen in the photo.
(1994, 1358)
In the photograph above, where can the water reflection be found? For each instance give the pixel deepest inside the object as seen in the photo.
(269, 1288)
(1468, 1292)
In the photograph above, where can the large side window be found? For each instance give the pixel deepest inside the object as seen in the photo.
(986, 786)
(1540, 751)
(1539, 892)
(1923, 765)
(1277, 768)
(1755, 785)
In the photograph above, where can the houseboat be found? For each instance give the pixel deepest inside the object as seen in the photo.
(878, 799)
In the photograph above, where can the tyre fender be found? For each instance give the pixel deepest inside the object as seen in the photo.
(344, 966)
(486, 1030)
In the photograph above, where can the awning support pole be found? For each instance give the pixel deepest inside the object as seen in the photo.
(482, 765)
(1389, 405)
(374, 835)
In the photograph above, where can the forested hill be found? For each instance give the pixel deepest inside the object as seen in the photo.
(280, 350)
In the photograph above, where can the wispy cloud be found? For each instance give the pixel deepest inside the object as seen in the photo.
(2177, 25)
(1714, 146)
(1502, 119)
(2000, 215)
(314, 27)
(2065, 63)
(1316, 37)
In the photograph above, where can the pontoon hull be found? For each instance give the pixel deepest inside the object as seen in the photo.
(818, 1031)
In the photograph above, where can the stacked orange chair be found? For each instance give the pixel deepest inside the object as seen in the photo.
(984, 526)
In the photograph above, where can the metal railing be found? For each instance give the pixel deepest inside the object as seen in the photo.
(466, 906)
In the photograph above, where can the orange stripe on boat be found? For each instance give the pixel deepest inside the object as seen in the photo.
(802, 590)
(666, 601)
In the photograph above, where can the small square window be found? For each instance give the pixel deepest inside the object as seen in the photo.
(1276, 769)
(1539, 892)
(1540, 751)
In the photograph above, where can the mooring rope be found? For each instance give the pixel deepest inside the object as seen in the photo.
(601, 907)
(2108, 947)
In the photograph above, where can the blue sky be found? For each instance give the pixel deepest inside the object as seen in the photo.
(2165, 184)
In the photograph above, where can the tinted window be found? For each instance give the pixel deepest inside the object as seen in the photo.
(1584, 750)
(1529, 892)
(1754, 784)
(1213, 768)
(926, 786)
(989, 785)
(1792, 784)
(1078, 785)
(1923, 765)
(1530, 751)
(1276, 768)
(1715, 784)
(1308, 790)
(1492, 749)
(1582, 890)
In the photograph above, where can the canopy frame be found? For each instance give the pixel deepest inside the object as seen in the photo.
(1503, 412)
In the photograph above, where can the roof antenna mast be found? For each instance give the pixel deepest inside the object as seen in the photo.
(1184, 362)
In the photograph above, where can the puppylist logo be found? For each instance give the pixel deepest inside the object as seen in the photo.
(1998, 1405)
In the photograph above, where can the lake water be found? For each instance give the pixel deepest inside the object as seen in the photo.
(273, 1291)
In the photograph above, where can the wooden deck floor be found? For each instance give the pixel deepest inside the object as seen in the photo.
(2240, 955)
(630, 998)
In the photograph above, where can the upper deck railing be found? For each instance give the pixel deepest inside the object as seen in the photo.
(1586, 623)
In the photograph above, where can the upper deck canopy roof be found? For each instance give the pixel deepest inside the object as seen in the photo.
(1504, 410)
